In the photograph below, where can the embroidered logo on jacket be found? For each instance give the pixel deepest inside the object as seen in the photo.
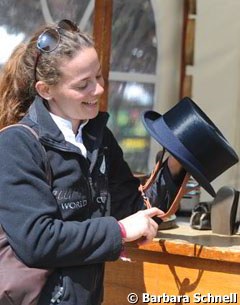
(70, 199)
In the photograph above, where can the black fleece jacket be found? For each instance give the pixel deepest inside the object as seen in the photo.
(71, 225)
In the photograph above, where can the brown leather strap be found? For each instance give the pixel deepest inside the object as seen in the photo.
(181, 192)
(152, 177)
(154, 173)
(176, 202)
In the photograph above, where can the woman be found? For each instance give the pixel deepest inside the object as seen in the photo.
(53, 84)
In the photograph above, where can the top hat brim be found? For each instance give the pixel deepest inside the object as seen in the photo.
(173, 145)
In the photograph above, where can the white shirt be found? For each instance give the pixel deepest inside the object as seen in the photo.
(66, 128)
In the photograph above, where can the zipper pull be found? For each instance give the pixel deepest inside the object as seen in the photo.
(90, 181)
(57, 297)
(93, 193)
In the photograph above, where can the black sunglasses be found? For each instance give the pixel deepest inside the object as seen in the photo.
(49, 40)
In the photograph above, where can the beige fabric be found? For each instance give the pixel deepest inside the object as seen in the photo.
(216, 72)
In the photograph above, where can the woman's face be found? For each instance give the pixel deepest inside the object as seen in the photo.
(76, 96)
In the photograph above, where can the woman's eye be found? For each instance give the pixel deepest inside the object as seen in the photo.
(83, 86)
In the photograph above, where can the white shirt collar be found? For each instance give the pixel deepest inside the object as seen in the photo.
(66, 128)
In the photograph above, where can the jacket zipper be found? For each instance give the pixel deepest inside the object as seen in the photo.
(60, 147)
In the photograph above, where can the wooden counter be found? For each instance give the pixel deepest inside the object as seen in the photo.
(184, 264)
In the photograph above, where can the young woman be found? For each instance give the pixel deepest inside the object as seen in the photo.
(93, 205)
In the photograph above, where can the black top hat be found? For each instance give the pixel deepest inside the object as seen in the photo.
(191, 137)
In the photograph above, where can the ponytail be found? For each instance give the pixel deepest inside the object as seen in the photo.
(16, 87)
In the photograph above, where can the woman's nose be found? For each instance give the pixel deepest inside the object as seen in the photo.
(98, 88)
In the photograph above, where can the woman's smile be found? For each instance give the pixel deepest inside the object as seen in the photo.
(76, 96)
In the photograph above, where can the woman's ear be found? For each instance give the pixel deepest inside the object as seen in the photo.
(43, 90)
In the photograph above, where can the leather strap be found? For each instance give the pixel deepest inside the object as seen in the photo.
(184, 189)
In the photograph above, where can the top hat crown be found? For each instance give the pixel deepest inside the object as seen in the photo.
(187, 133)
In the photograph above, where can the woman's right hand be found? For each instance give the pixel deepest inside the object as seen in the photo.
(141, 225)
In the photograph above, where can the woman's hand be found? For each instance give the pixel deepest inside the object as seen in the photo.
(141, 225)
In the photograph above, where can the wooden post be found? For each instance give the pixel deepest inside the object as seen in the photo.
(102, 34)
(188, 39)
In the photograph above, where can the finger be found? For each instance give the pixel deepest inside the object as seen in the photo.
(154, 224)
(153, 212)
(152, 230)
(148, 238)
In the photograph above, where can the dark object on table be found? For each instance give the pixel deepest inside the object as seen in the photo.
(223, 211)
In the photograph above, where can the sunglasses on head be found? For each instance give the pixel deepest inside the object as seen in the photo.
(49, 39)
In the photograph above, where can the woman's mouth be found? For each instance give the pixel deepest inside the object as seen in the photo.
(90, 103)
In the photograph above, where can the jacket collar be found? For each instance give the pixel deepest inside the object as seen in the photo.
(48, 130)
